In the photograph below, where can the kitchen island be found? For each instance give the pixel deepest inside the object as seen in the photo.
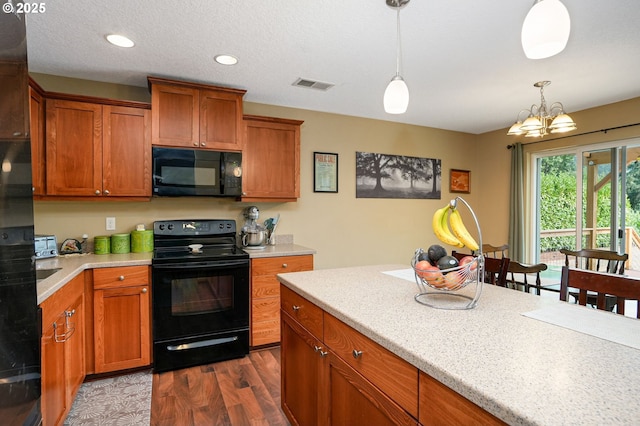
(521, 370)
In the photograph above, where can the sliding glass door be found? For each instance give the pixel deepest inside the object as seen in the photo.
(587, 197)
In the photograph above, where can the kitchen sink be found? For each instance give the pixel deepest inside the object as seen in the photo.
(42, 274)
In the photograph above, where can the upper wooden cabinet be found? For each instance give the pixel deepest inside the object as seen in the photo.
(14, 106)
(271, 159)
(97, 150)
(196, 115)
(36, 104)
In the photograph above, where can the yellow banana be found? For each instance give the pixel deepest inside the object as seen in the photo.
(441, 229)
(460, 231)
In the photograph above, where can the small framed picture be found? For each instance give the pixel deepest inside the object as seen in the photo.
(325, 172)
(460, 181)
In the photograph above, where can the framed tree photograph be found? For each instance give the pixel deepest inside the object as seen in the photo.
(325, 172)
(460, 181)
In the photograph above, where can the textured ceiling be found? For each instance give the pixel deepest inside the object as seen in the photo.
(462, 60)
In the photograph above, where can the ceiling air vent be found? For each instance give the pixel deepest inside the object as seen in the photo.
(311, 84)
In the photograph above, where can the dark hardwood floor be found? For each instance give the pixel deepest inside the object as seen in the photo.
(240, 392)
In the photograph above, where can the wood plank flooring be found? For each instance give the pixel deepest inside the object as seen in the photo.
(237, 392)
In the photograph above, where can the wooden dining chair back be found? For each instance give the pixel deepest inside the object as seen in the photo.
(495, 251)
(524, 275)
(495, 269)
(595, 260)
(599, 286)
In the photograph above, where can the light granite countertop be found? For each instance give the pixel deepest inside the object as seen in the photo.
(279, 250)
(522, 370)
(72, 264)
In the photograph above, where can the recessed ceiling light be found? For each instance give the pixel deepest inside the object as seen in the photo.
(120, 40)
(226, 59)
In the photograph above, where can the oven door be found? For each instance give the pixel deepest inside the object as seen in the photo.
(200, 313)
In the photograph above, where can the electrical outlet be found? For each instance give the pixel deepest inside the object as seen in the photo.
(111, 224)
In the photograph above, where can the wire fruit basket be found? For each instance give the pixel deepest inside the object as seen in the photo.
(447, 288)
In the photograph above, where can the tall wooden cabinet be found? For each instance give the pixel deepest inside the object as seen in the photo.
(271, 160)
(122, 318)
(14, 107)
(97, 150)
(36, 105)
(265, 294)
(196, 115)
(62, 350)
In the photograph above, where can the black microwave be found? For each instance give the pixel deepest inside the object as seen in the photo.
(196, 172)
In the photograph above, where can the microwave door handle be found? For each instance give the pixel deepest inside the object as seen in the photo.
(202, 265)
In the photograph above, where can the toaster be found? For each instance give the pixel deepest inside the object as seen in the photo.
(46, 246)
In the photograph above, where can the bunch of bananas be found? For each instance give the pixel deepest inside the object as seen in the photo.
(449, 217)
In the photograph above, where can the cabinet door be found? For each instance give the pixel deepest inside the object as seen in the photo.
(126, 151)
(175, 116)
(121, 328)
(74, 350)
(302, 364)
(54, 397)
(73, 148)
(271, 160)
(37, 142)
(14, 104)
(221, 120)
(355, 401)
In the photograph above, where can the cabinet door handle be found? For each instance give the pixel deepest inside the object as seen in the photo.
(295, 308)
(121, 277)
(144, 290)
(323, 353)
(97, 192)
(356, 353)
(106, 192)
(203, 144)
(284, 265)
(317, 348)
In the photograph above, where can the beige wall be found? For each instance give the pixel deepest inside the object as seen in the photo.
(343, 229)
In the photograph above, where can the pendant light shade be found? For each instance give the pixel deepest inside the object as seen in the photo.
(546, 29)
(396, 96)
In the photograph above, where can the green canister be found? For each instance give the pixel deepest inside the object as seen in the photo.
(102, 244)
(142, 241)
(120, 243)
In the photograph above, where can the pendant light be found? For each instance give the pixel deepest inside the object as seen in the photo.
(396, 95)
(546, 29)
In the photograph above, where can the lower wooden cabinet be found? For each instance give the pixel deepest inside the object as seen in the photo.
(62, 350)
(122, 330)
(334, 375)
(265, 294)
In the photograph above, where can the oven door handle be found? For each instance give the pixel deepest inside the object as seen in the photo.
(202, 265)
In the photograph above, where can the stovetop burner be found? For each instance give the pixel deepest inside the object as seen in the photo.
(217, 238)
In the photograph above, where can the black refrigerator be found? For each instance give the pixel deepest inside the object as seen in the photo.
(20, 326)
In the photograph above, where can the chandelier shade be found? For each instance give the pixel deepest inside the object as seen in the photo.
(546, 29)
(542, 120)
(396, 95)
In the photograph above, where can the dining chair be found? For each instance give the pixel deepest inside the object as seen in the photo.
(600, 286)
(495, 251)
(595, 260)
(495, 269)
(521, 274)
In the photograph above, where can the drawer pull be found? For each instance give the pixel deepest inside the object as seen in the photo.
(356, 353)
(121, 277)
(144, 290)
(295, 308)
(284, 265)
(317, 348)
(323, 353)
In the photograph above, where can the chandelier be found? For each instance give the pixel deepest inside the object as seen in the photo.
(396, 95)
(542, 120)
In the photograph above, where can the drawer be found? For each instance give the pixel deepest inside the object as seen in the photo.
(438, 402)
(265, 332)
(127, 276)
(277, 265)
(392, 375)
(265, 286)
(303, 311)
